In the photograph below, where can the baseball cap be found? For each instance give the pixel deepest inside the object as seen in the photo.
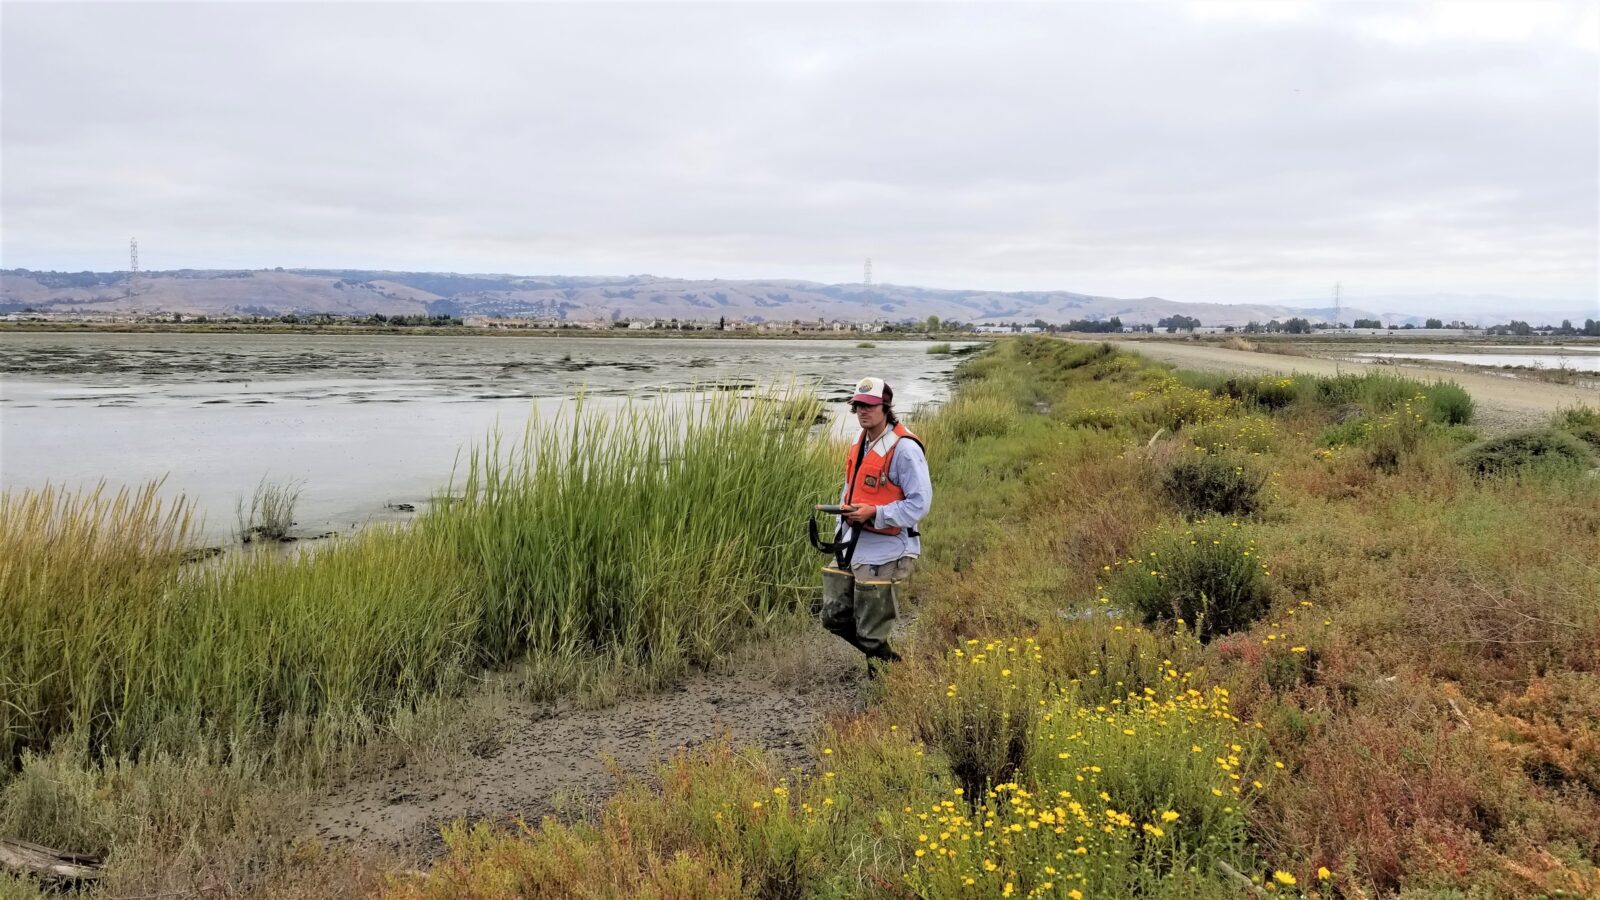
(869, 391)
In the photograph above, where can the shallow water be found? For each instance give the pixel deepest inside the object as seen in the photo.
(363, 423)
(1579, 361)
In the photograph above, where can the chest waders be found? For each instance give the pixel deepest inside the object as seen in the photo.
(861, 611)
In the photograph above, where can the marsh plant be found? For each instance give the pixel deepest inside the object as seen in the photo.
(271, 512)
(798, 408)
(940, 349)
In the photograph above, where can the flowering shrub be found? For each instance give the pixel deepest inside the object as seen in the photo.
(992, 692)
(1113, 797)
(1103, 419)
(1395, 435)
(1253, 434)
(1172, 404)
(1276, 392)
(1208, 576)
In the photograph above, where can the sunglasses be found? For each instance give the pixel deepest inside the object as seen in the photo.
(858, 407)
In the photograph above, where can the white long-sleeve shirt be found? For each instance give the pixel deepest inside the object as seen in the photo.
(909, 470)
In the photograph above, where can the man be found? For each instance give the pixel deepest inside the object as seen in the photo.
(886, 493)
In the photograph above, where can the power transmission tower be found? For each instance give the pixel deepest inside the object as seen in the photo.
(1337, 303)
(866, 273)
(133, 265)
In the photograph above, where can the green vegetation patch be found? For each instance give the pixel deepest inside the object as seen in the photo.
(1527, 451)
(1582, 422)
(1204, 485)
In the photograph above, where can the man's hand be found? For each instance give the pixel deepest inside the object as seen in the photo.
(861, 514)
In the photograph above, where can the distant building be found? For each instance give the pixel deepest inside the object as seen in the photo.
(510, 322)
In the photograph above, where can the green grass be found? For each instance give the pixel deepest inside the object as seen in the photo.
(940, 349)
(655, 537)
(636, 542)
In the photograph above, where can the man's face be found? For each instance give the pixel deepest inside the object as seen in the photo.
(868, 415)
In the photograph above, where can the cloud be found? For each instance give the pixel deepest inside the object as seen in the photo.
(1232, 151)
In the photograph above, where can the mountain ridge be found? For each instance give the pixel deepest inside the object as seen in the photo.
(362, 292)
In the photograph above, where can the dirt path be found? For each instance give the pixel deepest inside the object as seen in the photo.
(537, 762)
(1505, 402)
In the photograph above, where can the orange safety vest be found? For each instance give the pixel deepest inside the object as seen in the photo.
(871, 484)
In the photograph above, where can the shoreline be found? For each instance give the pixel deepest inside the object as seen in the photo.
(463, 331)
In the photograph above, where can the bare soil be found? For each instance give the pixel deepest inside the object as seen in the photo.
(1505, 402)
(537, 760)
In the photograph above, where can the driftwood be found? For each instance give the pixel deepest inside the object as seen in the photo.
(23, 858)
(1245, 884)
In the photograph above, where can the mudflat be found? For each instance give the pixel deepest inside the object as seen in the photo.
(536, 760)
(365, 424)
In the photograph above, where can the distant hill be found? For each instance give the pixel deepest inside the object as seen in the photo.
(362, 292)
(1475, 309)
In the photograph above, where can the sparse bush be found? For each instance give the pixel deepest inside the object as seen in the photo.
(1252, 433)
(735, 827)
(1113, 367)
(1208, 577)
(271, 511)
(1395, 435)
(866, 345)
(1202, 485)
(1105, 662)
(1449, 403)
(1338, 390)
(1351, 433)
(940, 349)
(1270, 393)
(1540, 448)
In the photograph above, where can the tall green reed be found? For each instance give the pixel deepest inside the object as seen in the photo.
(652, 535)
(659, 534)
(75, 570)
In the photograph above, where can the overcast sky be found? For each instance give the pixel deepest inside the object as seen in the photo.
(1228, 151)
